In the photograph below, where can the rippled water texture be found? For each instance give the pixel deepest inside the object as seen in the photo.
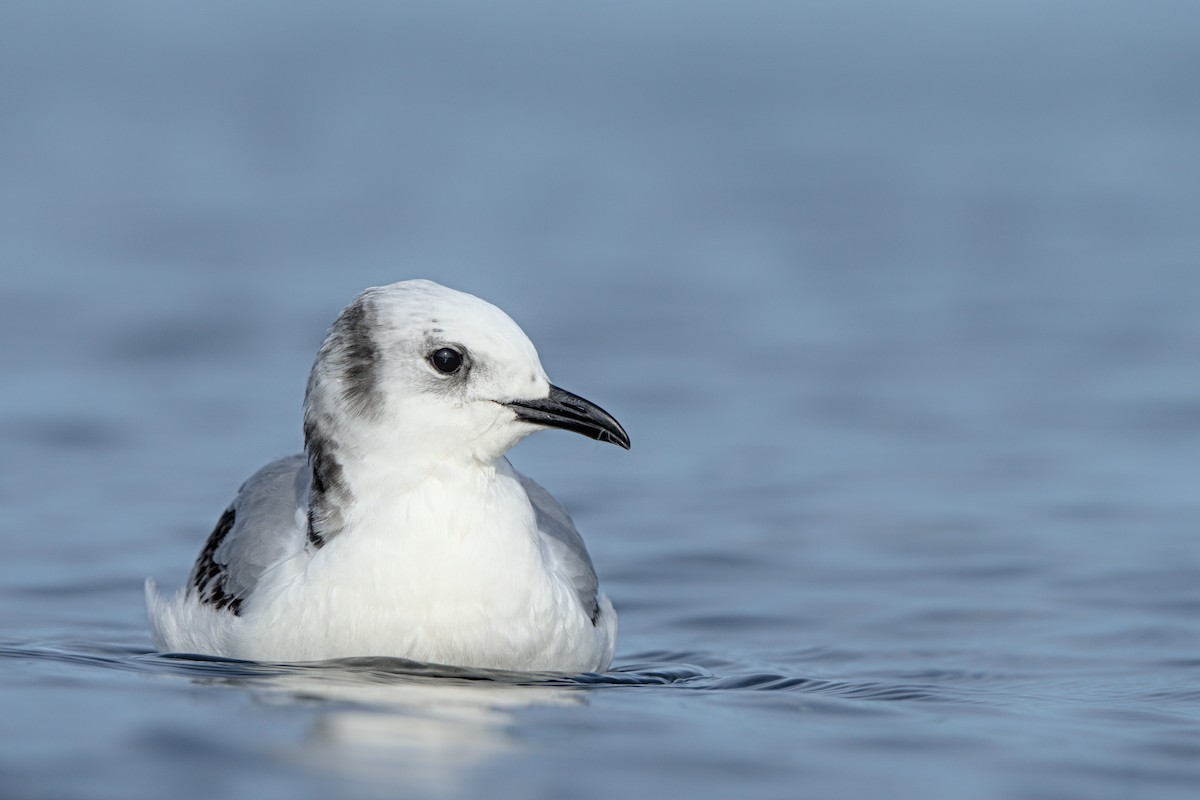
(898, 302)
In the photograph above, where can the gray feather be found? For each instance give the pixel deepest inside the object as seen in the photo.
(267, 526)
(565, 545)
(264, 531)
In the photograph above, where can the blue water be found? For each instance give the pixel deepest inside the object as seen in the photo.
(900, 304)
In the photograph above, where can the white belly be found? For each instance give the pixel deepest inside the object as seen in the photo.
(419, 578)
(458, 590)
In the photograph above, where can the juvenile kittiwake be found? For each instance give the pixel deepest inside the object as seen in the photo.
(402, 530)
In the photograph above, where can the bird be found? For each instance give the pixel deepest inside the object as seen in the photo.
(403, 530)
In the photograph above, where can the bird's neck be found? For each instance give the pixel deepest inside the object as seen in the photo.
(356, 482)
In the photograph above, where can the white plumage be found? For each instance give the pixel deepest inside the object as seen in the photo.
(403, 530)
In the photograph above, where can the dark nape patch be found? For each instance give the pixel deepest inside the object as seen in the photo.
(208, 576)
(356, 354)
(314, 538)
(328, 490)
(595, 615)
(327, 472)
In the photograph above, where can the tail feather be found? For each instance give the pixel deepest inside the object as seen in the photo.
(155, 614)
(179, 623)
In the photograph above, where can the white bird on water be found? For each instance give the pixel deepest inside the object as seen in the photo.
(402, 530)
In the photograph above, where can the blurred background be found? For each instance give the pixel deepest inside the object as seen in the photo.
(899, 303)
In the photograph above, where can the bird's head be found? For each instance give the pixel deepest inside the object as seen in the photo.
(414, 365)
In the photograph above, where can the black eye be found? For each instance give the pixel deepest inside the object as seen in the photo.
(447, 360)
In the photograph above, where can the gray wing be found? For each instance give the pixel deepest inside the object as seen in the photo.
(565, 545)
(260, 528)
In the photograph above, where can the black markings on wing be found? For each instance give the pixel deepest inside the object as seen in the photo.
(262, 528)
(209, 578)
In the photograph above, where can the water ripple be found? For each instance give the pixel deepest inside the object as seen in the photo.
(383, 671)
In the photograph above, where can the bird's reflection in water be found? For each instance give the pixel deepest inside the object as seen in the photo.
(392, 730)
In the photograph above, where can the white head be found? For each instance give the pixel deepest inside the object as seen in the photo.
(416, 368)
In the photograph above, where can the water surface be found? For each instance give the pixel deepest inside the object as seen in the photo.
(899, 306)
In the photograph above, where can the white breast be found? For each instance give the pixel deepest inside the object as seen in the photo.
(429, 577)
